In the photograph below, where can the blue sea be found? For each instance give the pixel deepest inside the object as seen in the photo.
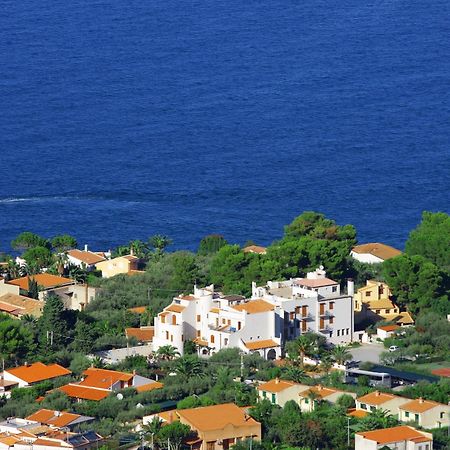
(123, 119)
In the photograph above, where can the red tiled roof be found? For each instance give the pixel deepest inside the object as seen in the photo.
(45, 280)
(315, 282)
(142, 334)
(395, 434)
(55, 418)
(377, 249)
(258, 345)
(444, 372)
(84, 392)
(149, 387)
(88, 258)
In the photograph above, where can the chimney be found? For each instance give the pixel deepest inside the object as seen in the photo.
(131, 251)
(350, 287)
(377, 393)
(277, 380)
(85, 247)
(420, 400)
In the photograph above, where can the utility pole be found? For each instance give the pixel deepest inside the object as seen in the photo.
(348, 432)
(242, 367)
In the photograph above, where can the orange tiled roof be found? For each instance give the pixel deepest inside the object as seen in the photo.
(84, 392)
(88, 258)
(102, 378)
(201, 342)
(389, 328)
(149, 387)
(420, 405)
(216, 417)
(377, 249)
(320, 391)
(142, 334)
(138, 309)
(376, 398)
(254, 306)
(258, 345)
(46, 280)
(23, 305)
(186, 297)
(175, 308)
(38, 371)
(395, 434)
(55, 418)
(445, 372)
(276, 385)
(358, 413)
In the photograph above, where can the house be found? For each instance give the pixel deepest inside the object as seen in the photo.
(309, 398)
(255, 249)
(380, 400)
(215, 321)
(34, 373)
(58, 419)
(84, 258)
(374, 302)
(128, 264)
(311, 304)
(17, 306)
(216, 427)
(97, 384)
(400, 438)
(279, 392)
(386, 331)
(143, 335)
(425, 413)
(75, 296)
(374, 252)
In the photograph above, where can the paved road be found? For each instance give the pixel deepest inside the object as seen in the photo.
(368, 352)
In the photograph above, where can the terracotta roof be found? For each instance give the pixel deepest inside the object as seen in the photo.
(102, 378)
(129, 257)
(376, 398)
(258, 345)
(389, 328)
(84, 392)
(142, 334)
(53, 418)
(45, 280)
(445, 372)
(420, 405)
(276, 385)
(216, 417)
(149, 387)
(358, 413)
(377, 249)
(383, 303)
(23, 305)
(186, 297)
(255, 306)
(395, 434)
(201, 342)
(175, 308)
(315, 282)
(255, 249)
(138, 309)
(88, 258)
(51, 443)
(320, 391)
(38, 371)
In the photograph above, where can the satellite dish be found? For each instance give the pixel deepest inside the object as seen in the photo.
(119, 396)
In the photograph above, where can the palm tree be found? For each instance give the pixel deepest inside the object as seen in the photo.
(98, 362)
(13, 269)
(378, 418)
(326, 364)
(188, 366)
(167, 353)
(138, 248)
(159, 242)
(61, 261)
(152, 428)
(341, 354)
(294, 374)
(299, 348)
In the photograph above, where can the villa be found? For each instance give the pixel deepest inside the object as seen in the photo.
(374, 253)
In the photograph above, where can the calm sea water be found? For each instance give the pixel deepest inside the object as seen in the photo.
(120, 120)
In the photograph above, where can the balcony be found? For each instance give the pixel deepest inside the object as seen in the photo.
(327, 314)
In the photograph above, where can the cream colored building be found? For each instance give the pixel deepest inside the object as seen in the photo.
(425, 413)
(279, 392)
(374, 252)
(396, 438)
(381, 400)
(217, 427)
(116, 266)
(309, 398)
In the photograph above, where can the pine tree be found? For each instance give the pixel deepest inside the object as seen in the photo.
(52, 324)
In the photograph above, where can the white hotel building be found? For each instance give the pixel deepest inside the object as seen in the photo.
(277, 312)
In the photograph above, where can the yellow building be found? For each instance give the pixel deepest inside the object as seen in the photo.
(216, 427)
(374, 299)
(120, 265)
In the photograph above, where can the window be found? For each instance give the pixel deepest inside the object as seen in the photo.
(163, 319)
(225, 342)
(274, 398)
(292, 315)
(338, 333)
(306, 401)
(174, 320)
(182, 338)
(331, 320)
(416, 417)
(367, 293)
(334, 289)
(239, 325)
(297, 310)
(406, 414)
(442, 415)
(372, 408)
(304, 326)
(363, 405)
(229, 322)
(264, 394)
(210, 445)
(377, 311)
(331, 306)
(167, 335)
(198, 317)
(381, 289)
(304, 310)
(198, 333)
(171, 338)
(347, 331)
(322, 324)
(322, 308)
(212, 339)
(224, 321)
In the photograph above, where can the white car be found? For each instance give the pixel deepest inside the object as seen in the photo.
(393, 348)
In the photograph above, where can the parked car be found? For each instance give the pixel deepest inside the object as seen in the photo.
(393, 348)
